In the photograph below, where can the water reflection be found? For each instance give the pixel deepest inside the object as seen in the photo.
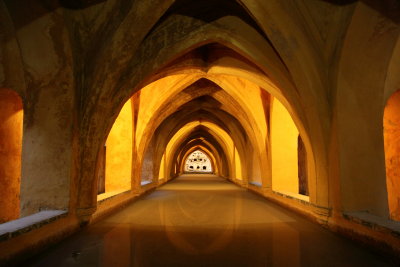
(205, 221)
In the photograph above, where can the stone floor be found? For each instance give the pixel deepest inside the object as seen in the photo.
(203, 220)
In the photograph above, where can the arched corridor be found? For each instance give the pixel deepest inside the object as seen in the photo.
(176, 226)
(290, 104)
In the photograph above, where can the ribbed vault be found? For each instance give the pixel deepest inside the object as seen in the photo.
(295, 100)
(211, 93)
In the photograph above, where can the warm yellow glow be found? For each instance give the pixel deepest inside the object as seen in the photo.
(119, 152)
(11, 123)
(284, 135)
(179, 136)
(245, 91)
(164, 89)
(248, 96)
(228, 142)
(391, 133)
(161, 174)
(241, 81)
(223, 135)
(238, 166)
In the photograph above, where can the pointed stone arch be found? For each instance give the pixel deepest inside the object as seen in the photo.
(174, 46)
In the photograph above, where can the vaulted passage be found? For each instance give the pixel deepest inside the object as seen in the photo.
(204, 220)
(106, 104)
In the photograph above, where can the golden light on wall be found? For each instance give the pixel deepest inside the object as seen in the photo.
(238, 166)
(391, 133)
(11, 121)
(161, 172)
(118, 167)
(181, 134)
(165, 88)
(284, 142)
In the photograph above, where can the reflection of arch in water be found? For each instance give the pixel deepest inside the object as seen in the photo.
(187, 210)
(198, 162)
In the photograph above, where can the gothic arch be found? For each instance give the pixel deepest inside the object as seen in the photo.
(362, 186)
(267, 60)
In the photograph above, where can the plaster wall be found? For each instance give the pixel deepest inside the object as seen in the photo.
(284, 136)
(11, 119)
(238, 166)
(364, 62)
(147, 174)
(119, 151)
(164, 88)
(244, 91)
(161, 173)
(302, 167)
(44, 47)
(255, 174)
(391, 132)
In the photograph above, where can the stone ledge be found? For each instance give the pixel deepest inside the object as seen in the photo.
(144, 183)
(374, 222)
(108, 195)
(23, 225)
(258, 184)
(301, 198)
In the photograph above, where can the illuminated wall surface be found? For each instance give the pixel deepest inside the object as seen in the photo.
(119, 152)
(161, 172)
(238, 166)
(147, 173)
(215, 130)
(391, 132)
(198, 162)
(284, 141)
(196, 80)
(11, 117)
(284, 135)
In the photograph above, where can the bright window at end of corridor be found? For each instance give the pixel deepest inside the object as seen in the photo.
(198, 162)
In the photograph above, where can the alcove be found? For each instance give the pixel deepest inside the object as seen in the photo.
(11, 124)
(289, 156)
(391, 134)
(116, 155)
